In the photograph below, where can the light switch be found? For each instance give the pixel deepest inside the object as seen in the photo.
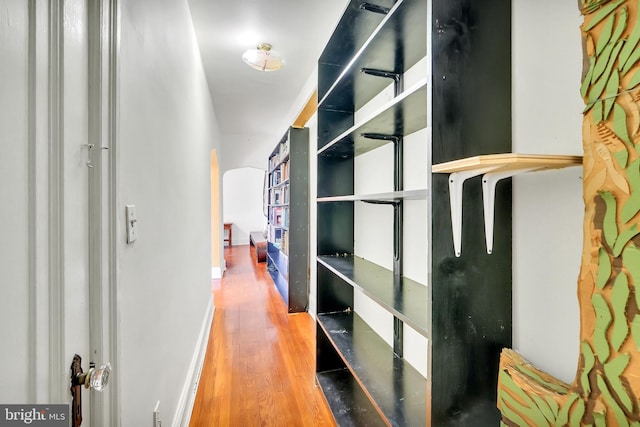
(132, 223)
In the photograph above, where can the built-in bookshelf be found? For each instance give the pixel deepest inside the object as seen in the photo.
(394, 347)
(288, 218)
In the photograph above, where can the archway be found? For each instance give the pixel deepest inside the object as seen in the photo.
(242, 206)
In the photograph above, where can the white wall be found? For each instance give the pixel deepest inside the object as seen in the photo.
(167, 129)
(547, 206)
(243, 202)
(249, 150)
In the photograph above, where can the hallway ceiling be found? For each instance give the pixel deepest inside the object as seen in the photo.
(253, 102)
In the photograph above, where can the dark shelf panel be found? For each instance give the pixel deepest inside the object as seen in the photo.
(279, 281)
(395, 386)
(348, 403)
(397, 43)
(289, 268)
(404, 115)
(278, 259)
(409, 303)
(393, 196)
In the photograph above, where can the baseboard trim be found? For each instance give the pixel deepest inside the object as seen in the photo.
(188, 395)
(216, 272)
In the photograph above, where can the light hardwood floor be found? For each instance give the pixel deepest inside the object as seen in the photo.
(259, 366)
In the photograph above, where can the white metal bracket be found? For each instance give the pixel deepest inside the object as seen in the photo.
(456, 182)
(489, 182)
(494, 167)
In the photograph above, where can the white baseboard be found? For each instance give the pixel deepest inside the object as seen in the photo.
(216, 272)
(188, 395)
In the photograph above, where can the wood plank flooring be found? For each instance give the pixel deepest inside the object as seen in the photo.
(259, 366)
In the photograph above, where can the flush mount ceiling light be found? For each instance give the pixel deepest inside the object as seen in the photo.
(262, 58)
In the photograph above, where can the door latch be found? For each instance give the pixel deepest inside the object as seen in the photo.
(96, 379)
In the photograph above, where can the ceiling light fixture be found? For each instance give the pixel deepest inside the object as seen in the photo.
(262, 58)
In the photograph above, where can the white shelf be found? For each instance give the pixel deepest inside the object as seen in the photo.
(409, 105)
(493, 167)
(393, 196)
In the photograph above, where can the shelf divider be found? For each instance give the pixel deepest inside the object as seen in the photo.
(402, 116)
(392, 196)
(395, 387)
(349, 404)
(408, 302)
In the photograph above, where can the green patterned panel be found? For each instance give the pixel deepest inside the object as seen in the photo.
(620, 124)
(602, 60)
(622, 157)
(604, 268)
(578, 412)
(600, 419)
(632, 205)
(532, 374)
(622, 24)
(631, 43)
(586, 83)
(605, 34)
(619, 299)
(530, 410)
(624, 238)
(609, 225)
(597, 89)
(631, 261)
(618, 413)
(598, 112)
(544, 408)
(635, 330)
(611, 93)
(613, 371)
(563, 415)
(603, 320)
(602, 14)
(554, 406)
(633, 81)
(589, 363)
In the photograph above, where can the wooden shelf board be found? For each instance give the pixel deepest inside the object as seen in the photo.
(352, 89)
(393, 196)
(403, 115)
(395, 386)
(349, 404)
(409, 304)
(508, 161)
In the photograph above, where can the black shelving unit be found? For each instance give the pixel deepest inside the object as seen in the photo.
(288, 218)
(463, 310)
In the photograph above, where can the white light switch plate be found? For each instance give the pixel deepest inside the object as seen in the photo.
(132, 223)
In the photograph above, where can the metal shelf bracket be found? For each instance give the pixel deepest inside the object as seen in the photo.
(456, 182)
(489, 182)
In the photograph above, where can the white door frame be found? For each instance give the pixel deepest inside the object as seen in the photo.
(103, 42)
